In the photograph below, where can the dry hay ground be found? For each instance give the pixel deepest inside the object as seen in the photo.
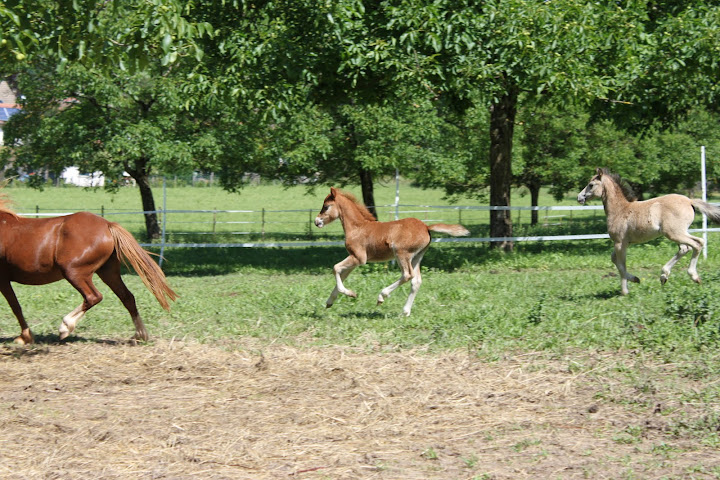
(179, 410)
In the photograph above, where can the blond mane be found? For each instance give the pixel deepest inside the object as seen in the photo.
(5, 202)
(361, 208)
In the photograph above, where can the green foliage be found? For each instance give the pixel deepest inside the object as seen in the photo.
(117, 34)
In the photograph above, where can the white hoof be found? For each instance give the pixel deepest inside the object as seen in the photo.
(65, 330)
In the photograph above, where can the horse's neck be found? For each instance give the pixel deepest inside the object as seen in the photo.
(614, 200)
(350, 215)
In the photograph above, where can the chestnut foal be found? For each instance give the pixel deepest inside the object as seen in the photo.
(368, 240)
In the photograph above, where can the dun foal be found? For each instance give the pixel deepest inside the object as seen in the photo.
(368, 240)
(630, 221)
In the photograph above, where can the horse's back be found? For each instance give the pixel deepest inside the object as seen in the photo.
(84, 234)
(381, 240)
(649, 219)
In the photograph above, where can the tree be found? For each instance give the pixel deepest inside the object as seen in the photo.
(512, 49)
(132, 122)
(331, 120)
(109, 35)
(103, 87)
(553, 143)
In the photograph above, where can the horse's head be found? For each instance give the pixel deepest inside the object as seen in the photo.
(329, 211)
(594, 189)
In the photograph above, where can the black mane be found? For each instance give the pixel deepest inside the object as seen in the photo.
(625, 187)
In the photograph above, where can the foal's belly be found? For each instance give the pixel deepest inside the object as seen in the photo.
(646, 236)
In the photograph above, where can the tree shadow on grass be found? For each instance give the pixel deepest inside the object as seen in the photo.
(42, 342)
(320, 259)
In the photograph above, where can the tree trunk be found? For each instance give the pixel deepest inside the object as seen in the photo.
(502, 124)
(534, 199)
(368, 192)
(141, 174)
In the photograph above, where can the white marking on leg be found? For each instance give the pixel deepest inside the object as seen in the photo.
(341, 270)
(70, 321)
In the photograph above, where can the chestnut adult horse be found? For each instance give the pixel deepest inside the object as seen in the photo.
(368, 240)
(74, 247)
(630, 221)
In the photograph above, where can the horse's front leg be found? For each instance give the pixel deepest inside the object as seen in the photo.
(26, 335)
(342, 270)
(618, 258)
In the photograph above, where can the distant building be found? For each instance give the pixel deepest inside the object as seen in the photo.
(73, 176)
(8, 105)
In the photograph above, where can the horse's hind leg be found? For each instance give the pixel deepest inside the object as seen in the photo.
(415, 282)
(406, 274)
(685, 243)
(697, 247)
(683, 249)
(26, 335)
(91, 297)
(110, 274)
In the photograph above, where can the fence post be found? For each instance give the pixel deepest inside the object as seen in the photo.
(102, 211)
(262, 223)
(37, 210)
(214, 220)
(310, 222)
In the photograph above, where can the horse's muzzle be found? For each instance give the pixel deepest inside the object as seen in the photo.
(580, 199)
(319, 223)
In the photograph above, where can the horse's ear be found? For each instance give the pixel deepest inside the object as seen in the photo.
(599, 172)
(333, 192)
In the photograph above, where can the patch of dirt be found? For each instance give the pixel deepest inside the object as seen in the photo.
(181, 410)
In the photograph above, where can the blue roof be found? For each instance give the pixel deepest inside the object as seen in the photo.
(6, 113)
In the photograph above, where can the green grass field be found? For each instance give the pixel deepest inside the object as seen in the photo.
(544, 296)
(556, 299)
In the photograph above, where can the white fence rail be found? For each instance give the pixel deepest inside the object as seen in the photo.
(389, 211)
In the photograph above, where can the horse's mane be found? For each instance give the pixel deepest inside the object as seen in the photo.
(361, 208)
(623, 184)
(5, 201)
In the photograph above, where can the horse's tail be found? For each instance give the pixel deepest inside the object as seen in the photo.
(712, 211)
(454, 230)
(130, 252)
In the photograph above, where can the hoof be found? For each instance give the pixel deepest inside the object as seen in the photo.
(663, 279)
(352, 294)
(635, 280)
(697, 280)
(140, 337)
(64, 331)
(328, 305)
(25, 338)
